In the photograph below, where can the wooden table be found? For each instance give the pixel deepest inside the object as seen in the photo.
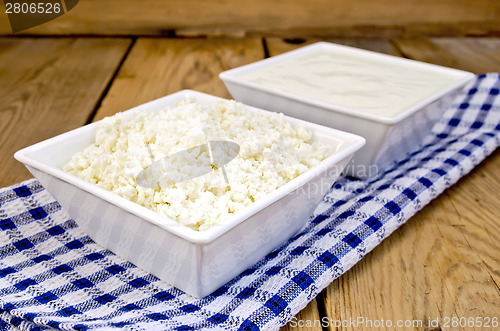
(444, 262)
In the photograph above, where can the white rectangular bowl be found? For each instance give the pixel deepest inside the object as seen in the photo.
(195, 262)
(388, 139)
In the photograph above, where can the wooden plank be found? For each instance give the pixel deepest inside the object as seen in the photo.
(478, 55)
(391, 282)
(356, 18)
(277, 46)
(479, 224)
(49, 86)
(444, 261)
(157, 67)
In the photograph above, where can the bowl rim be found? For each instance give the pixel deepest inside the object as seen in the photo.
(232, 76)
(197, 237)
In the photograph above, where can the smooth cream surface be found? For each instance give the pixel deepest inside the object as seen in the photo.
(354, 81)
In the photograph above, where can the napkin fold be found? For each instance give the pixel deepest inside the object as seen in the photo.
(52, 275)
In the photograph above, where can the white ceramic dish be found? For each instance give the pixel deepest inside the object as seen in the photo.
(195, 262)
(388, 137)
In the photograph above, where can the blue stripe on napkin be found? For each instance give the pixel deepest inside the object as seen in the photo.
(54, 276)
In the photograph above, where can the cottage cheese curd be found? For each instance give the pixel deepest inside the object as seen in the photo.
(271, 153)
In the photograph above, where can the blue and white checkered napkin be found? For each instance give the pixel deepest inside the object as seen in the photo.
(53, 275)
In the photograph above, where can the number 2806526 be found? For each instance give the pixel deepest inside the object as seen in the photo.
(33, 8)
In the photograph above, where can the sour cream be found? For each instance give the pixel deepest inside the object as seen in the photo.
(354, 81)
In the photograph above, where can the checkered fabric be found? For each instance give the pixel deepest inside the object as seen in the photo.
(52, 275)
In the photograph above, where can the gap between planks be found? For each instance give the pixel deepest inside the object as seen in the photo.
(112, 97)
(111, 80)
(459, 242)
(49, 86)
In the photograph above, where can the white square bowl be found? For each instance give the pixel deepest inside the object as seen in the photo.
(197, 262)
(388, 137)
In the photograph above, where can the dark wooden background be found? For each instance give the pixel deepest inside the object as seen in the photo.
(106, 56)
(285, 18)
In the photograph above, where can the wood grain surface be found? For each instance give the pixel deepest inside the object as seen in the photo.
(478, 55)
(433, 266)
(158, 67)
(47, 87)
(277, 46)
(445, 261)
(357, 18)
